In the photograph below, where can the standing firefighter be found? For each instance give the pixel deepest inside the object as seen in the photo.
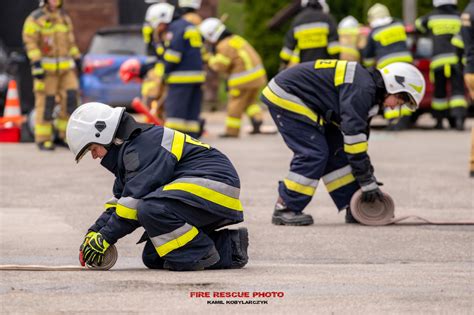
(54, 56)
(178, 189)
(442, 24)
(181, 68)
(322, 110)
(386, 44)
(349, 38)
(237, 59)
(312, 35)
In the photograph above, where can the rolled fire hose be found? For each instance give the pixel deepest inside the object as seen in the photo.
(379, 213)
(110, 258)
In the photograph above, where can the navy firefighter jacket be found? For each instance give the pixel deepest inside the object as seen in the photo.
(330, 91)
(164, 163)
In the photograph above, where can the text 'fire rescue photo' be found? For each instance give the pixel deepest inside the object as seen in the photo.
(259, 157)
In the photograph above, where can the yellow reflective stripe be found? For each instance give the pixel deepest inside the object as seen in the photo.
(172, 58)
(340, 72)
(34, 54)
(458, 102)
(178, 145)
(126, 213)
(356, 148)
(247, 78)
(207, 194)
(159, 69)
(147, 32)
(253, 110)
(348, 31)
(177, 243)
(284, 55)
(302, 189)
(338, 183)
(110, 205)
(183, 126)
(219, 58)
(233, 122)
(289, 105)
(439, 104)
(391, 113)
(53, 66)
(368, 62)
(43, 129)
(30, 28)
(61, 124)
(198, 78)
(234, 92)
(419, 25)
(438, 62)
(457, 42)
(444, 26)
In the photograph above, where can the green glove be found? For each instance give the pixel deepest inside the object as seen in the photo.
(95, 249)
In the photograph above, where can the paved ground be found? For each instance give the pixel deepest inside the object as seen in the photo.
(47, 203)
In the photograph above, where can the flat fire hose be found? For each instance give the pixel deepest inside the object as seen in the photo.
(380, 213)
(110, 258)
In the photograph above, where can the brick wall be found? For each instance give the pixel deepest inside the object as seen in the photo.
(89, 16)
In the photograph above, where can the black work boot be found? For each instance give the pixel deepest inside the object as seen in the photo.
(256, 124)
(439, 124)
(240, 243)
(284, 216)
(46, 146)
(459, 123)
(350, 218)
(61, 143)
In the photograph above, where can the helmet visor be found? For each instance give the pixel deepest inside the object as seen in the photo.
(408, 100)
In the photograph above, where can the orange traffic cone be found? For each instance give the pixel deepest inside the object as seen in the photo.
(12, 112)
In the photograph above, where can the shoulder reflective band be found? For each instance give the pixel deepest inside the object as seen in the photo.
(219, 193)
(173, 142)
(345, 72)
(127, 208)
(301, 184)
(390, 34)
(338, 178)
(168, 242)
(403, 56)
(444, 24)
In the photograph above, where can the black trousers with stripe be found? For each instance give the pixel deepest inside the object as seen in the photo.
(162, 216)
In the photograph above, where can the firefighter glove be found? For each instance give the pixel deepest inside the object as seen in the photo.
(84, 243)
(372, 195)
(94, 250)
(37, 71)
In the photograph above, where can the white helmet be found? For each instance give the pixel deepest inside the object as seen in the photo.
(159, 13)
(194, 4)
(404, 77)
(92, 123)
(349, 22)
(377, 11)
(438, 3)
(211, 29)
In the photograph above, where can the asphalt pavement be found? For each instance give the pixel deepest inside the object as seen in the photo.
(48, 202)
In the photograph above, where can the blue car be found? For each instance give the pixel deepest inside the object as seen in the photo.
(110, 47)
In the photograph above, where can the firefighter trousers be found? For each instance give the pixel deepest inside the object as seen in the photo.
(181, 237)
(183, 107)
(318, 153)
(455, 105)
(63, 85)
(240, 101)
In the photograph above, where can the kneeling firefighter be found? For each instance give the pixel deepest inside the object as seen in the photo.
(177, 188)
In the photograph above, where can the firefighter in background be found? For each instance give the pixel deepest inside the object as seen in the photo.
(51, 48)
(177, 188)
(181, 69)
(323, 110)
(242, 65)
(386, 44)
(442, 24)
(312, 35)
(349, 38)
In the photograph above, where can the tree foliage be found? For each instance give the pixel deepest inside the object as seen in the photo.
(268, 43)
